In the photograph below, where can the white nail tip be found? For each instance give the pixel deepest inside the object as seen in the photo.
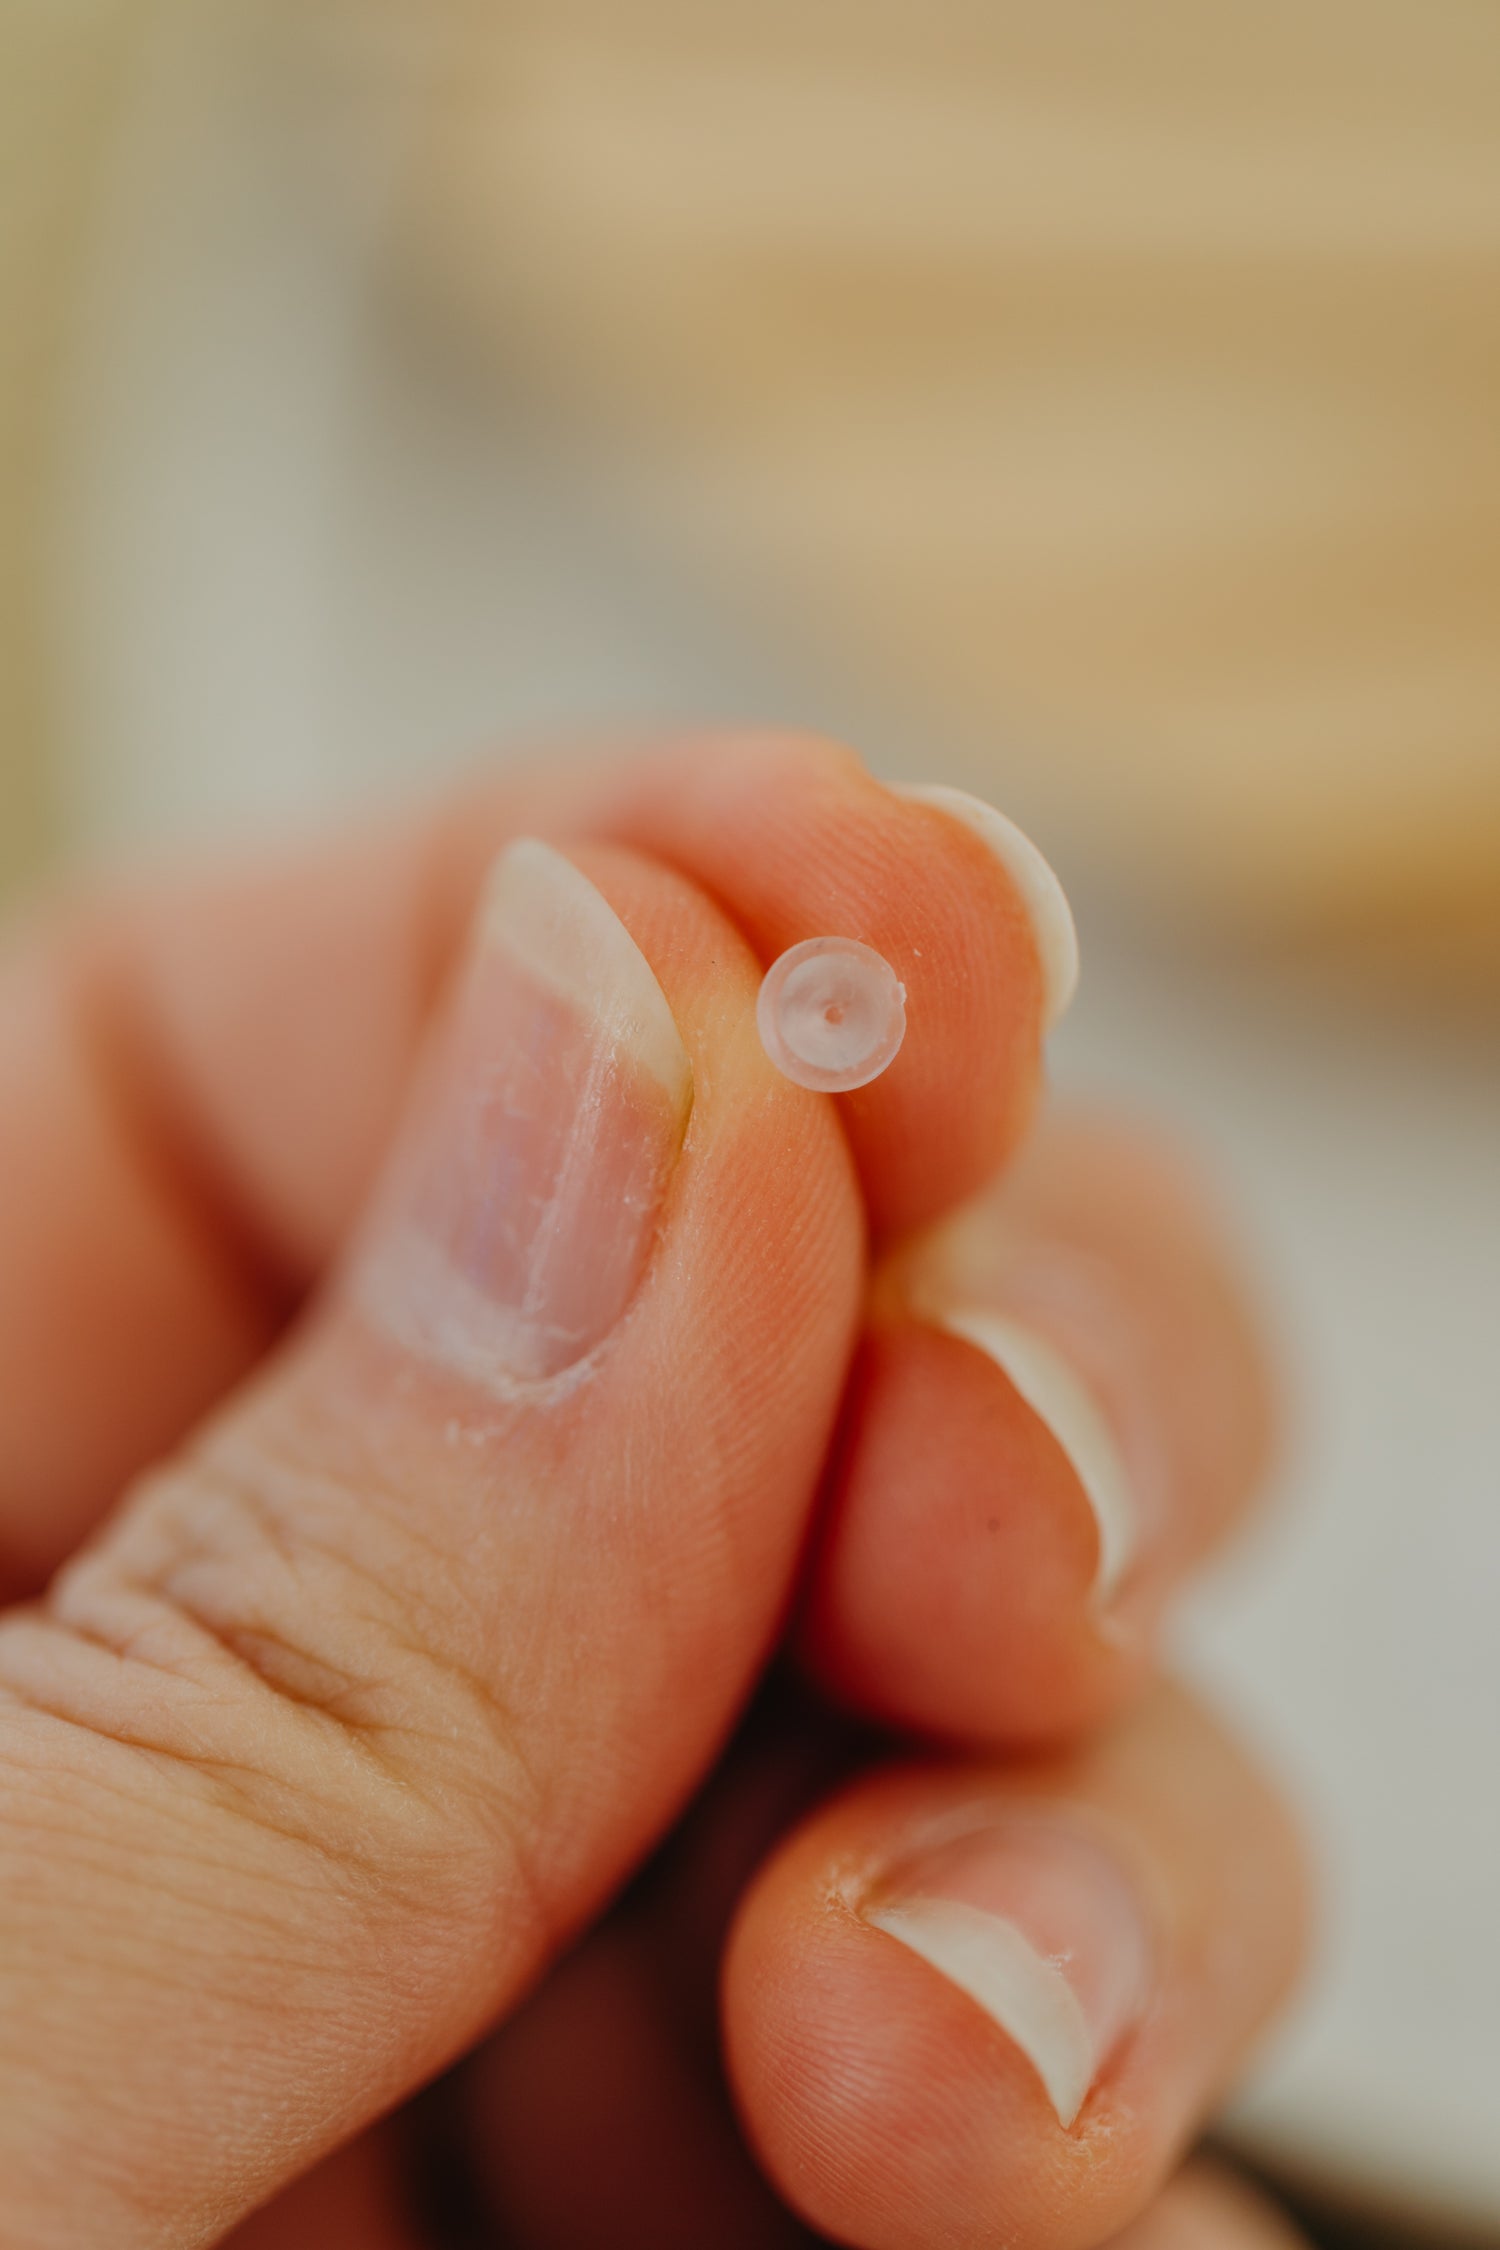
(1044, 897)
(551, 919)
(1027, 1996)
(1057, 1396)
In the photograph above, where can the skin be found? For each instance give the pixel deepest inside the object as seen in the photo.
(304, 1793)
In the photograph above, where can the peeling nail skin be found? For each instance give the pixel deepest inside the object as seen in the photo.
(1043, 895)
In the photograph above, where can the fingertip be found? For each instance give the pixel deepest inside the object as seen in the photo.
(967, 2003)
(953, 1588)
(892, 2105)
(1051, 917)
(1060, 1405)
(799, 841)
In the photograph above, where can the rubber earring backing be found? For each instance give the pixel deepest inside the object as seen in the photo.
(831, 1014)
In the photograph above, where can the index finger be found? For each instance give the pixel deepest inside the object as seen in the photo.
(798, 840)
(198, 1078)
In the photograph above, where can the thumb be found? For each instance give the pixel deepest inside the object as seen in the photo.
(356, 1709)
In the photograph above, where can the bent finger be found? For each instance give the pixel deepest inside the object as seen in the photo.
(969, 2004)
(1061, 1405)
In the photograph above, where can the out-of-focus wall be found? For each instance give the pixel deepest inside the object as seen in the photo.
(60, 69)
(1115, 386)
(1120, 379)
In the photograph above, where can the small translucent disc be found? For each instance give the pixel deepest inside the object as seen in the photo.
(832, 1014)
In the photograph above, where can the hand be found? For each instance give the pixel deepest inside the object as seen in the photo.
(525, 1448)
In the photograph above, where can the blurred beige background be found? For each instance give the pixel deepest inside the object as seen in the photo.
(1095, 405)
(60, 87)
(1119, 379)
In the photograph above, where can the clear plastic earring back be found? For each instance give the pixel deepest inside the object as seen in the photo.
(832, 1014)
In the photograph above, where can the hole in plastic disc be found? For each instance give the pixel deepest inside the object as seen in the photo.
(832, 1014)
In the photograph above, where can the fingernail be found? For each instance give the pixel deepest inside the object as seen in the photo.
(1036, 1923)
(1058, 1398)
(525, 1201)
(1041, 1320)
(1041, 893)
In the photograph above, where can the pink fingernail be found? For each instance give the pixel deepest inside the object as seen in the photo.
(524, 1204)
(1033, 1921)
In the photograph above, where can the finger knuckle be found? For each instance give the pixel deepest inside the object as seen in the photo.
(229, 1632)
